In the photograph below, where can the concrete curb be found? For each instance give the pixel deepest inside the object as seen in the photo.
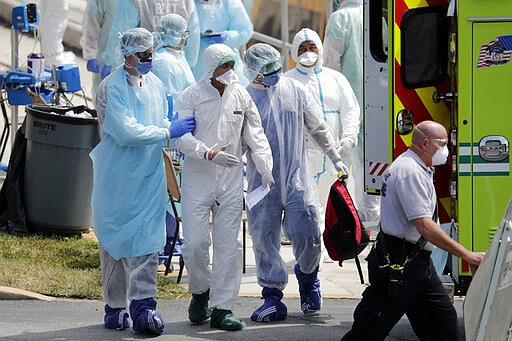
(7, 293)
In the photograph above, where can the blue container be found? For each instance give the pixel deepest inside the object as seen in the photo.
(25, 17)
(68, 78)
(17, 83)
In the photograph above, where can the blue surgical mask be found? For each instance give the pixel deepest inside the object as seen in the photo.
(144, 67)
(272, 79)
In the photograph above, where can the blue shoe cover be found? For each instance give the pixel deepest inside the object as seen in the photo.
(116, 318)
(145, 318)
(309, 289)
(273, 309)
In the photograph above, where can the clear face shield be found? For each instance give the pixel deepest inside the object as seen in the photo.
(182, 43)
(269, 71)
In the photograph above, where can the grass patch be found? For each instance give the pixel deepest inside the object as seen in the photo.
(60, 267)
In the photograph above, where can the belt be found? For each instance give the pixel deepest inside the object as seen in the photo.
(399, 248)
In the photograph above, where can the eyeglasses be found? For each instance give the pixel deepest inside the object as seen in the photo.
(145, 56)
(438, 142)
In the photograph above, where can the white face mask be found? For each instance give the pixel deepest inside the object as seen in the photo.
(308, 58)
(440, 156)
(228, 77)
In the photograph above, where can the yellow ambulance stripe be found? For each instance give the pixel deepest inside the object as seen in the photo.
(407, 139)
(396, 44)
(445, 202)
(439, 111)
(415, 3)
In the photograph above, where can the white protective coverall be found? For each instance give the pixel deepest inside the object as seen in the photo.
(231, 119)
(340, 111)
(52, 26)
(230, 19)
(97, 34)
(343, 52)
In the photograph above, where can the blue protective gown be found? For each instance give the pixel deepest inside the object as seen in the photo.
(147, 13)
(229, 17)
(172, 69)
(129, 192)
(287, 111)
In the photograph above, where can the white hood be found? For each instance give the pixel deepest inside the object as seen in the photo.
(302, 36)
(213, 54)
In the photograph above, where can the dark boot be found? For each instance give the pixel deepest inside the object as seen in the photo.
(145, 318)
(116, 318)
(273, 309)
(309, 289)
(198, 310)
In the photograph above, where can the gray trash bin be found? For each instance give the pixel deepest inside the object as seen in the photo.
(58, 169)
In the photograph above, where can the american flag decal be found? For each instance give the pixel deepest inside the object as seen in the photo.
(496, 52)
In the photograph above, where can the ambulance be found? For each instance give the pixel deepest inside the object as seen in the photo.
(447, 61)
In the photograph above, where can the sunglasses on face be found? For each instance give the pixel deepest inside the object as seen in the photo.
(144, 56)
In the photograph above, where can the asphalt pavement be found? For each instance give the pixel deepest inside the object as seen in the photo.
(83, 320)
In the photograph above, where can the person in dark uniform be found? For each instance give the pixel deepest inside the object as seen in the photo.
(402, 277)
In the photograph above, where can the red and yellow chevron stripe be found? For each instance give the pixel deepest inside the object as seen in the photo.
(419, 100)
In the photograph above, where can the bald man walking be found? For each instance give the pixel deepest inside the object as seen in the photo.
(402, 277)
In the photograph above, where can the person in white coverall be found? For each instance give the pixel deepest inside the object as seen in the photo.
(146, 14)
(343, 52)
(340, 111)
(228, 123)
(96, 35)
(226, 22)
(52, 26)
(129, 192)
(288, 111)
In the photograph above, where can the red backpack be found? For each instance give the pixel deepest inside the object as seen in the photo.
(344, 235)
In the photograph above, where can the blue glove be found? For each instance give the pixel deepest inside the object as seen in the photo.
(105, 71)
(93, 65)
(218, 39)
(170, 106)
(181, 127)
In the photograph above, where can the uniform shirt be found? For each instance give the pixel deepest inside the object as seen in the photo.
(407, 193)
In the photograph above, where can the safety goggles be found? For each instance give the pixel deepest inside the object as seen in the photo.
(267, 70)
(145, 56)
(438, 142)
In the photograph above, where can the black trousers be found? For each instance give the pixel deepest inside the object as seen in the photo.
(423, 299)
